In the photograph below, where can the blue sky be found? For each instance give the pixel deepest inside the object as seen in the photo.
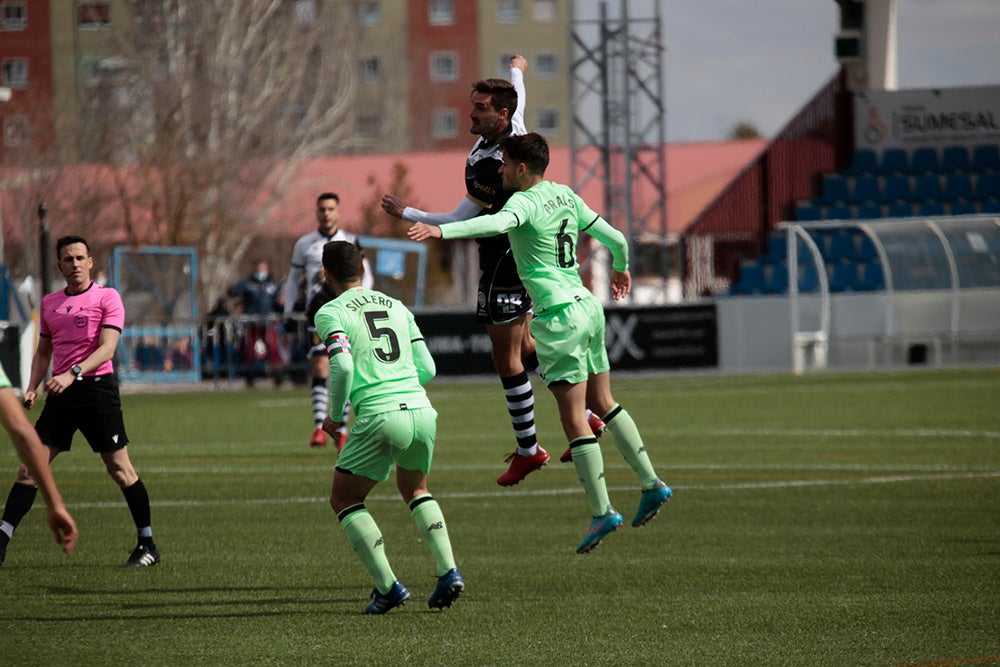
(758, 60)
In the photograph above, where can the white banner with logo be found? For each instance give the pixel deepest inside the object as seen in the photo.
(932, 117)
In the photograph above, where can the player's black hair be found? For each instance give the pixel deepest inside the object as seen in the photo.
(502, 94)
(328, 195)
(531, 149)
(342, 261)
(70, 240)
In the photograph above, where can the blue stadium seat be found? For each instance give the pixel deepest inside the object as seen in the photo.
(808, 278)
(872, 277)
(930, 208)
(776, 279)
(777, 249)
(987, 185)
(835, 189)
(841, 247)
(927, 186)
(839, 212)
(807, 211)
(751, 279)
(869, 212)
(925, 159)
(897, 188)
(864, 251)
(866, 190)
(957, 185)
(962, 208)
(986, 158)
(990, 206)
(900, 210)
(894, 161)
(843, 277)
(863, 161)
(823, 238)
(955, 158)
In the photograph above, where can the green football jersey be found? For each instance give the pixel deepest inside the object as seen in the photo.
(4, 380)
(543, 224)
(379, 334)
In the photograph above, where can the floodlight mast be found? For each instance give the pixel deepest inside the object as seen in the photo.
(617, 67)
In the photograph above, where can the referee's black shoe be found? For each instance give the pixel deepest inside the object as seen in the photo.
(144, 555)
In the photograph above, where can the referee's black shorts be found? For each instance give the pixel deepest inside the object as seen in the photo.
(93, 406)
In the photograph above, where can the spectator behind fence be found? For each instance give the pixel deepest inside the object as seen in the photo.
(260, 296)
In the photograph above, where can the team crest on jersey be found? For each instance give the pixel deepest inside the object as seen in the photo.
(337, 343)
(80, 321)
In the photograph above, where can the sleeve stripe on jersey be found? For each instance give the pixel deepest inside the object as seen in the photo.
(591, 223)
(336, 343)
(417, 340)
(516, 217)
(111, 326)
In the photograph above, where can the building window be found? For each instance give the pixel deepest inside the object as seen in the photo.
(16, 131)
(444, 66)
(547, 121)
(504, 69)
(547, 65)
(544, 11)
(93, 16)
(13, 16)
(441, 12)
(445, 123)
(15, 72)
(368, 13)
(371, 69)
(508, 11)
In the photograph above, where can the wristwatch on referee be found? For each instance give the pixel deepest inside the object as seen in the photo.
(77, 371)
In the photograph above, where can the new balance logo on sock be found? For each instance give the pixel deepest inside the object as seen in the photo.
(435, 526)
(379, 542)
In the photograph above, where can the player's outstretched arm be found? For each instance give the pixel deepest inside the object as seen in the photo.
(421, 232)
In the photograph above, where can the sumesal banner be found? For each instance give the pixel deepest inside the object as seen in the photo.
(932, 117)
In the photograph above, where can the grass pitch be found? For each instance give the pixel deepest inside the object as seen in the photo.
(831, 519)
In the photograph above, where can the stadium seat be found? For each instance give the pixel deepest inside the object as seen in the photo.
(866, 190)
(864, 250)
(839, 212)
(930, 208)
(843, 276)
(872, 277)
(957, 185)
(987, 185)
(869, 212)
(841, 247)
(808, 278)
(894, 161)
(990, 206)
(751, 280)
(777, 249)
(863, 161)
(807, 211)
(897, 188)
(835, 189)
(986, 158)
(776, 279)
(927, 186)
(924, 160)
(955, 158)
(900, 210)
(822, 238)
(962, 208)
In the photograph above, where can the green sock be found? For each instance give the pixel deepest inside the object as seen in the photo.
(590, 467)
(629, 443)
(366, 539)
(431, 526)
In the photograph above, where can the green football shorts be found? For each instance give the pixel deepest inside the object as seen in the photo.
(401, 437)
(570, 342)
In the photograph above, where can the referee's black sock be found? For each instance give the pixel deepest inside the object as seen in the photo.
(19, 501)
(138, 504)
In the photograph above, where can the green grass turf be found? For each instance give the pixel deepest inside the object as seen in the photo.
(831, 519)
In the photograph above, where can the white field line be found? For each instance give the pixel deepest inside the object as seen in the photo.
(739, 486)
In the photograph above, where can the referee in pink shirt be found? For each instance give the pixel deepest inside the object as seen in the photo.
(78, 333)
